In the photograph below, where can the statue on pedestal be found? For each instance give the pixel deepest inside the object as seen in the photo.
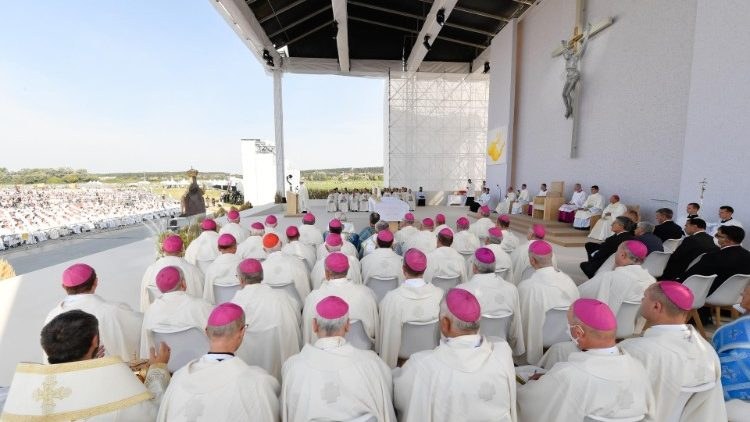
(192, 201)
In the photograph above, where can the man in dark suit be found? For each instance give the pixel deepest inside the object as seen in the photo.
(697, 242)
(731, 259)
(644, 233)
(622, 227)
(665, 227)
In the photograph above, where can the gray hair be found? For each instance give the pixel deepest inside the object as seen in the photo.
(249, 278)
(227, 329)
(646, 227)
(542, 260)
(326, 327)
(483, 268)
(494, 240)
(381, 225)
(628, 254)
(455, 322)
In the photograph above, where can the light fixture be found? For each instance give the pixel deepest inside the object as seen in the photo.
(486, 67)
(440, 17)
(268, 58)
(426, 43)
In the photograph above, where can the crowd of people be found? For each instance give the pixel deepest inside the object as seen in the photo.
(439, 321)
(358, 200)
(29, 215)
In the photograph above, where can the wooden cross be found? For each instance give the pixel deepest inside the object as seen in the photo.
(573, 49)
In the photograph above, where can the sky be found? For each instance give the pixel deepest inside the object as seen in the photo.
(144, 85)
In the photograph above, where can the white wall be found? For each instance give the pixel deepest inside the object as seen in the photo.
(258, 174)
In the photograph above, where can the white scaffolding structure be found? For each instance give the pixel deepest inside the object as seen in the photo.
(436, 130)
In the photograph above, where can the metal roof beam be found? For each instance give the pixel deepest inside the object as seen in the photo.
(280, 11)
(299, 21)
(430, 30)
(475, 12)
(310, 32)
(340, 16)
(414, 31)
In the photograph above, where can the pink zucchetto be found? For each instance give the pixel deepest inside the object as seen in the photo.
(271, 219)
(334, 239)
(416, 260)
(224, 314)
(594, 314)
(505, 218)
(385, 236)
(292, 231)
(540, 248)
(484, 210)
(332, 307)
(539, 231)
(463, 305)
(167, 279)
(76, 274)
(485, 255)
(495, 232)
(440, 219)
(337, 262)
(409, 217)
(309, 218)
(257, 226)
(427, 222)
(250, 266)
(446, 232)
(678, 293)
(233, 215)
(208, 224)
(335, 224)
(462, 223)
(172, 244)
(270, 240)
(227, 240)
(637, 248)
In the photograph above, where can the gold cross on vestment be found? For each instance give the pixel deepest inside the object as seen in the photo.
(47, 394)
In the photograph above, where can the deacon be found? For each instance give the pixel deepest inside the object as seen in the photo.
(600, 381)
(383, 262)
(413, 301)
(219, 386)
(464, 241)
(424, 240)
(444, 261)
(333, 244)
(602, 228)
(172, 247)
(233, 227)
(294, 247)
(510, 240)
(222, 271)
(281, 269)
(520, 256)
(466, 378)
(308, 233)
(202, 251)
(252, 247)
(304, 197)
(567, 211)
(591, 207)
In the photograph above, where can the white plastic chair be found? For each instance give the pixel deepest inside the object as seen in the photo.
(446, 283)
(695, 260)
(608, 265)
(699, 285)
(626, 318)
(291, 290)
(670, 245)
(153, 293)
(555, 326)
(224, 293)
(592, 418)
(496, 325)
(381, 285)
(503, 273)
(685, 394)
(727, 294)
(655, 263)
(262, 348)
(418, 336)
(357, 336)
(185, 344)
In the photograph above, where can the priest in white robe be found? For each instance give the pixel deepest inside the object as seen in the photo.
(273, 320)
(567, 211)
(172, 247)
(466, 378)
(308, 233)
(219, 386)
(602, 229)
(413, 301)
(383, 262)
(344, 201)
(294, 247)
(520, 255)
(252, 247)
(626, 283)
(80, 384)
(523, 199)
(281, 269)
(503, 261)
(332, 202)
(233, 227)
(504, 207)
(174, 310)
(333, 244)
(464, 241)
(223, 271)
(444, 261)
(303, 197)
(202, 251)
(496, 297)
(675, 356)
(547, 288)
(405, 231)
(424, 240)
(593, 206)
(484, 222)
(599, 381)
(119, 326)
(361, 300)
(331, 380)
(510, 240)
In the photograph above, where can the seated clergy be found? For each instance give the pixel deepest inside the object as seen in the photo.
(424, 240)
(383, 261)
(119, 326)
(484, 223)
(496, 296)
(523, 199)
(504, 206)
(445, 261)
(520, 256)
(333, 244)
(696, 242)
(665, 227)
(464, 241)
(440, 221)
(602, 228)
(567, 211)
(591, 207)
(467, 377)
(622, 227)
(271, 223)
(222, 271)
(510, 240)
(308, 233)
(79, 383)
(413, 301)
(219, 386)
(493, 241)
(172, 247)
(203, 250)
(644, 234)
(407, 229)
(361, 299)
(626, 283)
(337, 227)
(332, 380)
(233, 227)
(175, 309)
(272, 318)
(252, 247)
(598, 381)
(730, 259)
(370, 244)
(294, 247)
(280, 269)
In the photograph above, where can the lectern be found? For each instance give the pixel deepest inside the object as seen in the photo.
(292, 205)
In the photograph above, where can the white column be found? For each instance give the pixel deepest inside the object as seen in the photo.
(278, 117)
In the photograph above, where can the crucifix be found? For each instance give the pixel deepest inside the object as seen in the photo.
(702, 189)
(572, 50)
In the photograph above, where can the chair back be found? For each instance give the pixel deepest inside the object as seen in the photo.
(289, 289)
(364, 418)
(670, 245)
(268, 356)
(357, 336)
(608, 265)
(685, 394)
(626, 318)
(555, 326)
(185, 344)
(695, 260)
(381, 285)
(418, 336)
(527, 273)
(656, 262)
(730, 291)
(153, 293)
(224, 293)
(592, 418)
(496, 325)
(446, 283)
(503, 273)
(699, 285)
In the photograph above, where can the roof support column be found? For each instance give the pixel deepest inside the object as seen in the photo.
(278, 118)
(341, 17)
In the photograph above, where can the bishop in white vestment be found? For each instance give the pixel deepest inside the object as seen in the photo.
(484, 223)
(510, 240)
(424, 240)
(308, 233)
(233, 227)
(520, 255)
(503, 261)
(332, 380)
(523, 199)
(444, 261)
(252, 247)
(602, 229)
(223, 271)
(591, 207)
(295, 247)
(464, 241)
(280, 269)
(333, 244)
(504, 207)
(576, 200)
(172, 247)
(202, 251)
(407, 229)
(383, 261)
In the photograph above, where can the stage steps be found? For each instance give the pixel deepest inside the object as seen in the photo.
(562, 234)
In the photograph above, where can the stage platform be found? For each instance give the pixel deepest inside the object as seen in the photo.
(562, 234)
